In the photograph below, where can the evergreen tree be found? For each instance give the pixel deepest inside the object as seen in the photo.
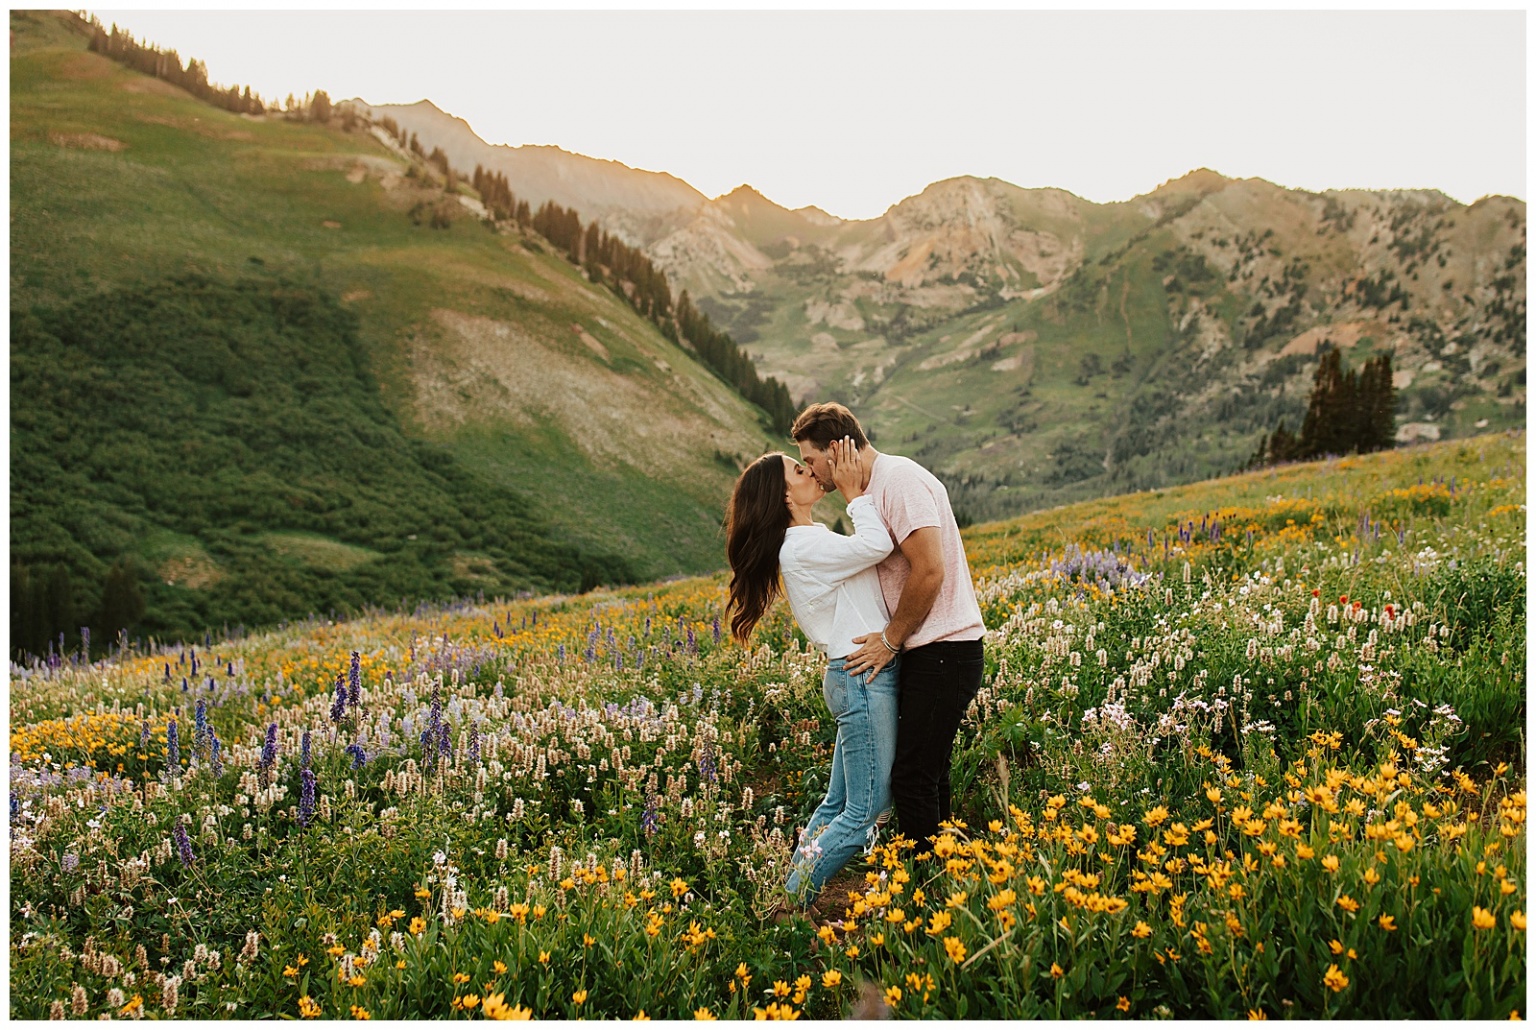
(56, 601)
(122, 601)
(1382, 433)
(1320, 429)
(1348, 412)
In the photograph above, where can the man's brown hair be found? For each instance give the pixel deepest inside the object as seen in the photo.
(823, 423)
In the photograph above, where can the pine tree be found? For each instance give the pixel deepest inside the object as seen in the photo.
(1320, 428)
(57, 604)
(1383, 423)
(122, 601)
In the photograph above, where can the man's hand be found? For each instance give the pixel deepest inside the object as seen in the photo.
(925, 551)
(871, 657)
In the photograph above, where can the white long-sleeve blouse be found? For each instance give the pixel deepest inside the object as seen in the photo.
(830, 579)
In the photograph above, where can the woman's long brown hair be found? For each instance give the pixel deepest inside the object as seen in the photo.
(755, 524)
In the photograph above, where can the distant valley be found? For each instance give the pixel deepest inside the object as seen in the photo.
(1036, 348)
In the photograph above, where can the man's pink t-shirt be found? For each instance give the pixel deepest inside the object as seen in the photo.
(909, 497)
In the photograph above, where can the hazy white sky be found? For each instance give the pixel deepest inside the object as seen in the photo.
(852, 111)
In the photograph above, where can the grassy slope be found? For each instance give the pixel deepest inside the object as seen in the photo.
(197, 189)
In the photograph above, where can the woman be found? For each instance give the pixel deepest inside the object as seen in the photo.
(834, 592)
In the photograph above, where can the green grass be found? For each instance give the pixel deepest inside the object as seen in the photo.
(319, 552)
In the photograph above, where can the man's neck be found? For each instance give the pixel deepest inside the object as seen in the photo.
(868, 455)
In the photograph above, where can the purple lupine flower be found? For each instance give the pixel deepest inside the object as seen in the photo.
(444, 742)
(172, 745)
(717, 629)
(693, 643)
(269, 748)
(304, 750)
(435, 736)
(167, 672)
(339, 706)
(15, 806)
(474, 743)
(215, 748)
(707, 768)
(650, 820)
(194, 662)
(200, 728)
(306, 796)
(359, 756)
(184, 687)
(69, 863)
(355, 681)
(183, 843)
(144, 737)
(85, 645)
(562, 654)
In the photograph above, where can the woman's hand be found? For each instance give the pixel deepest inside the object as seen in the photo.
(847, 468)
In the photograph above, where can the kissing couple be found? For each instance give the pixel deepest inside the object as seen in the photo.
(893, 608)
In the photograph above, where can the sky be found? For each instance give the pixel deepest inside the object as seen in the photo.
(853, 111)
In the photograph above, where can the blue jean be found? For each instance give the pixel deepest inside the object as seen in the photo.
(859, 789)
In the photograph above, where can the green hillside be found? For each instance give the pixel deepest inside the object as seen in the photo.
(234, 332)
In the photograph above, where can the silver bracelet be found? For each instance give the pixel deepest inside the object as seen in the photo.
(887, 643)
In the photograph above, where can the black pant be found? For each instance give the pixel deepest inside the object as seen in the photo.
(938, 681)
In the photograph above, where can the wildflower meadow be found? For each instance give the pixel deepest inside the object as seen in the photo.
(1248, 748)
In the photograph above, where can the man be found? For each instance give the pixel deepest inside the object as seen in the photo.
(935, 621)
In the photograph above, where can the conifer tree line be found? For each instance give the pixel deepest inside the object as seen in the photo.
(497, 196)
(44, 617)
(166, 65)
(722, 354)
(1348, 412)
(629, 273)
